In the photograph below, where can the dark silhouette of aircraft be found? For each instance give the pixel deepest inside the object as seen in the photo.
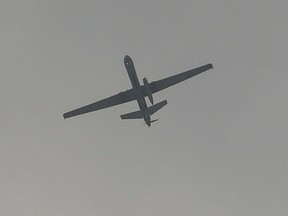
(139, 92)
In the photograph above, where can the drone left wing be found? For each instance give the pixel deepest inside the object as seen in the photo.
(114, 100)
(172, 80)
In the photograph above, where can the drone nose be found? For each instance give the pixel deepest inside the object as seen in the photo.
(127, 58)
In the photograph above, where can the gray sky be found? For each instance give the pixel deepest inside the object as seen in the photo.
(220, 147)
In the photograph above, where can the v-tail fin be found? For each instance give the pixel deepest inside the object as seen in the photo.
(154, 108)
(132, 115)
(139, 114)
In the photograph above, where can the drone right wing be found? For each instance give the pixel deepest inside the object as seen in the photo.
(114, 100)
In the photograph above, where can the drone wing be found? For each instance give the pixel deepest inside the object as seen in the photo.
(172, 80)
(114, 100)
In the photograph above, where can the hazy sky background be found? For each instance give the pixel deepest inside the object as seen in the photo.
(220, 147)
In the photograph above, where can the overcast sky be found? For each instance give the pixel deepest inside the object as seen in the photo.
(220, 146)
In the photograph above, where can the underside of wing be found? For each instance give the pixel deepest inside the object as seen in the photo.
(114, 100)
(172, 80)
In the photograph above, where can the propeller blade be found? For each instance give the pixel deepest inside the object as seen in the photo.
(154, 120)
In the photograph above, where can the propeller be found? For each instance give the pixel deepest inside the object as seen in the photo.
(152, 121)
